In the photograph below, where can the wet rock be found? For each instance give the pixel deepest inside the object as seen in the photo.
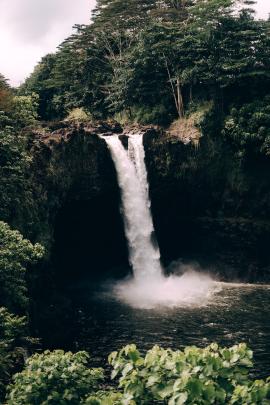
(124, 140)
(106, 128)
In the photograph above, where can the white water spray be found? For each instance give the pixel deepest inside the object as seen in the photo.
(148, 287)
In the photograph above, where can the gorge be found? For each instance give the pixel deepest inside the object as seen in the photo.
(87, 252)
(191, 190)
(135, 208)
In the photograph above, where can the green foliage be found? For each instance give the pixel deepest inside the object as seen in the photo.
(13, 332)
(18, 189)
(149, 53)
(212, 375)
(15, 159)
(248, 129)
(25, 110)
(5, 95)
(14, 165)
(193, 376)
(257, 392)
(157, 114)
(15, 254)
(54, 378)
(3, 82)
(12, 327)
(108, 398)
(78, 115)
(41, 82)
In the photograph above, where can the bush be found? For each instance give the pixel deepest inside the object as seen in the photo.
(212, 375)
(15, 254)
(25, 110)
(54, 378)
(158, 115)
(78, 115)
(108, 398)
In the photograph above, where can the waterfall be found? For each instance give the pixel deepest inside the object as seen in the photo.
(144, 256)
(148, 287)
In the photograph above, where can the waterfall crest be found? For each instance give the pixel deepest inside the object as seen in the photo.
(148, 287)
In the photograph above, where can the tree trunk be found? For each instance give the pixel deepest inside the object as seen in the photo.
(176, 92)
(180, 104)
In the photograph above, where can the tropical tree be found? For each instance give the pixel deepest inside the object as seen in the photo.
(15, 254)
(5, 95)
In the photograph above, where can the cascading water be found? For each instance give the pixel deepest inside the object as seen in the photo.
(148, 287)
(132, 177)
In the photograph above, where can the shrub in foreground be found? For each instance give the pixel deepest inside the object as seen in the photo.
(55, 378)
(212, 375)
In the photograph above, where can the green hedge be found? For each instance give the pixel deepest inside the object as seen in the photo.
(213, 375)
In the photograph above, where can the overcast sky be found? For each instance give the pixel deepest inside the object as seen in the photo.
(29, 29)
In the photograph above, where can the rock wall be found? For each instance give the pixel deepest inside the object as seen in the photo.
(210, 208)
(76, 200)
(206, 206)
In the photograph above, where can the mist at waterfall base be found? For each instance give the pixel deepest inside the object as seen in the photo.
(191, 289)
(149, 287)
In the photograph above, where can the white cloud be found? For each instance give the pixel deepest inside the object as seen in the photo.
(29, 29)
(262, 8)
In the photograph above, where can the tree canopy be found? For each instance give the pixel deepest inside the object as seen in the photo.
(153, 53)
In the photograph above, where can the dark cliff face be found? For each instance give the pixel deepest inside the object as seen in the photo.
(206, 207)
(77, 202)
(210, 208)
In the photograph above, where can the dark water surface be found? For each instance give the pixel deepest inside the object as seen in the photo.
(101, 324)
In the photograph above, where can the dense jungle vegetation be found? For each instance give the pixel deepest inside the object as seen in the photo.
(144, 62)
(151, 61)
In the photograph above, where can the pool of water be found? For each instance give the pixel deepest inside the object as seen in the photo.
(234, 313)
